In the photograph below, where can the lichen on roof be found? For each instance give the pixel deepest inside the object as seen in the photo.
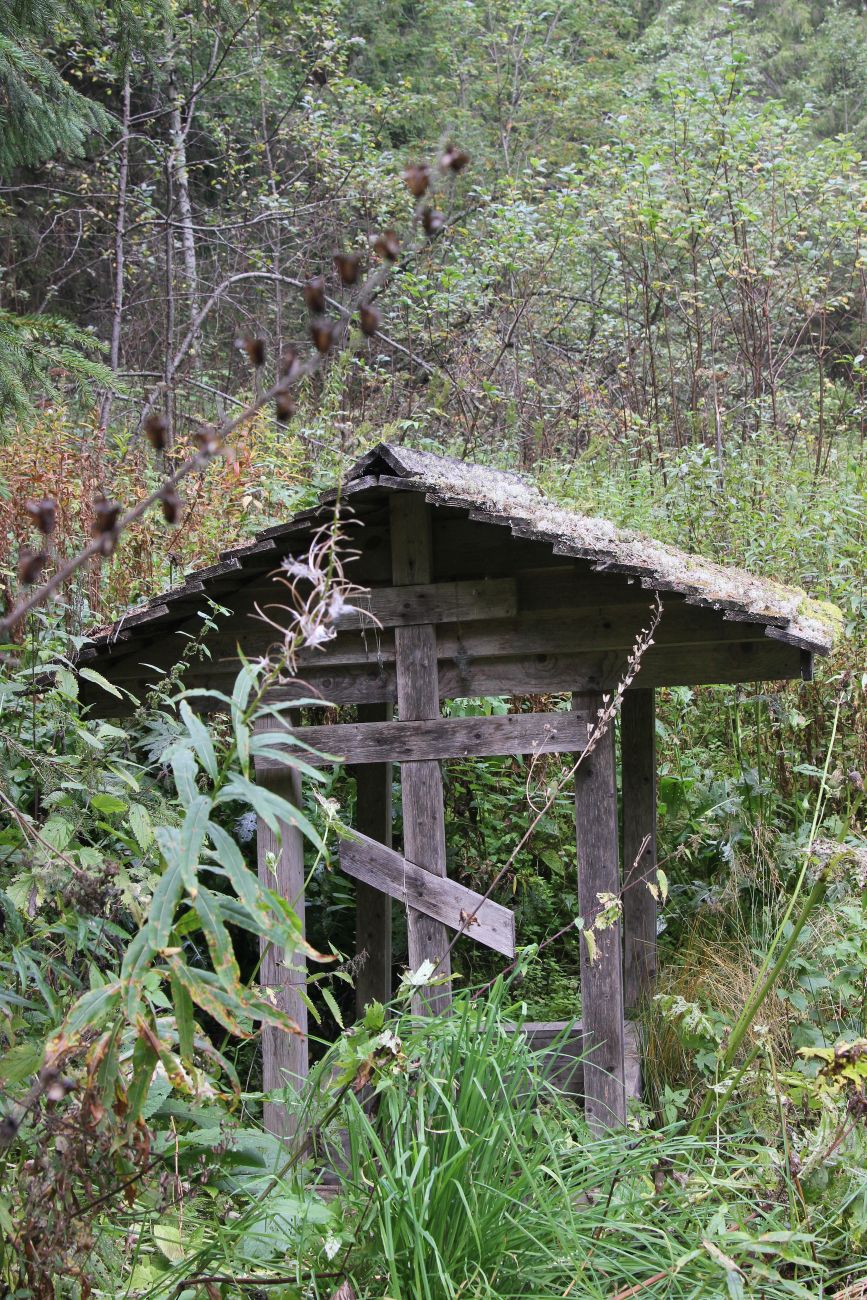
(511, 498)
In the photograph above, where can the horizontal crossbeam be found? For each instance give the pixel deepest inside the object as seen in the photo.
(436, 896)
(433, 602)
(437, 738)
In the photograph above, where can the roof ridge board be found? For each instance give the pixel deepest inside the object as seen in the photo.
(257, 547)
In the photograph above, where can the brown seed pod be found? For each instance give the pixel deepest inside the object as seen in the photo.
(157, 432)
(284, 407)
(314, 294)
(105, 515)
(453, 159)
(172, 505)
(417, 178)
(322, 334)
(369, 318)
(289, 365)
(44, 514)
(347, 265)
(207, 440)
(30, 565)
(433, 222)
(387, 246)
(255, 349)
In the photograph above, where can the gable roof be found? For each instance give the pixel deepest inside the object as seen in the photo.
(500, 498)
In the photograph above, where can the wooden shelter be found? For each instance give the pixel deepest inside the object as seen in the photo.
(479, 586)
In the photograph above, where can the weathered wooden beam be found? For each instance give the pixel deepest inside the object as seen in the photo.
(683, 665)
(418, 697)
(372, 907)
(638, 785)
(438, 738)
(432, 602)
(602, 1012)
(281, 867)
(435, 896)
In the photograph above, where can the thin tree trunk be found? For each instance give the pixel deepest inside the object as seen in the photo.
(181, 187)
(119, 250)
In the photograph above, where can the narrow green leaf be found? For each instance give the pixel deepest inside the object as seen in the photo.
(331, 1002)
(201, 738)
(217, 939)
(183, 1005)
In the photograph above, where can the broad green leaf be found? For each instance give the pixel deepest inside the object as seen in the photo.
(140, 824)
(91, 675)
(201, 738)
(108, 804)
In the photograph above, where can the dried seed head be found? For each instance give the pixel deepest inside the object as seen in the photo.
(432, 221)
(30, 565)
(157, 432)
(453, 159)
(347, 266)
(369, 318)
(44, 514)
(387, 245)
(284, 407)
(207, 440)
(255, 349)
(289, 365)
(57, 1088)
(314, 294)
(322, 334)
(172, 505)
(105, 515)
(417, 179)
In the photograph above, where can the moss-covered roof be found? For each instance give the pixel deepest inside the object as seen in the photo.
(507, 498)
(493, 496)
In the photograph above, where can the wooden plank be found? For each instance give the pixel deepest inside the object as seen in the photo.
(372, 907)
(638, 783)
(602, 1012)
(284, 1055)
(438, 602)
(438, 738)
(435, 896)
(546, 632)
(710, 665)
(418, 697)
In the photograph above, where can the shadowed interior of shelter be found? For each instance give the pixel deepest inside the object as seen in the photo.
(476, 585)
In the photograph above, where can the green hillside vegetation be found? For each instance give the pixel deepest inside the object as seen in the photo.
(645, 288)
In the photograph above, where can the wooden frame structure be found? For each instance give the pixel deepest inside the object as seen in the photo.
(477, 586)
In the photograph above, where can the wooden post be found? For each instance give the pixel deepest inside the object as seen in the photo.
(372, 907)
(284, 1056)
(424, 833)
(601, 978)
(638, 765)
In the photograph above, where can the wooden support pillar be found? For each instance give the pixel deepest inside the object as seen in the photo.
(372, 906)
(602, 1014)
(638, 766)
(284, 1056)
(424, 834)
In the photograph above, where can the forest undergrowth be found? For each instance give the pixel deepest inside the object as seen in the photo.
(619, 248)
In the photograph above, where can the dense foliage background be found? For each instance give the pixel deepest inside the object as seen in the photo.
(649, 293)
